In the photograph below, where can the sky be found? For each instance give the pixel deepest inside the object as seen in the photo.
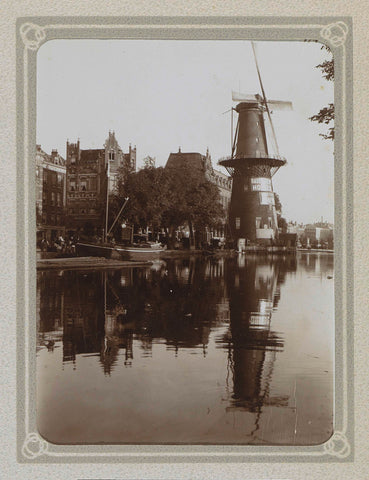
(159, 95)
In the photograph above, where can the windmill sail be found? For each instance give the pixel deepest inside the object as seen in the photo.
(243, 97)
(265, 100)
(280, 105)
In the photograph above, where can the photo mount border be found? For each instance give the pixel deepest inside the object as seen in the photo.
(32, 33)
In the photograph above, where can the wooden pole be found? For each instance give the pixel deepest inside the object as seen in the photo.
(231, 127)
(107, 202)
(116, 218)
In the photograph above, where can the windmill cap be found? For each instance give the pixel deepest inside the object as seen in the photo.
(247, 106)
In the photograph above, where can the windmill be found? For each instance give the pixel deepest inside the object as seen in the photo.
(252, 214)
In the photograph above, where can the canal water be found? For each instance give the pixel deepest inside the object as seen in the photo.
(188, 351)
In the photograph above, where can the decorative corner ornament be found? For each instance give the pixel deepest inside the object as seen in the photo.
(335, 33)
(338, 445)
(34, 446)
(32, 35)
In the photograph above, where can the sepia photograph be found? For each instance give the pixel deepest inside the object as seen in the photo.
(185, 243)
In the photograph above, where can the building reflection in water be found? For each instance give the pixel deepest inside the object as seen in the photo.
(254, 292)
(115, 315)
(102, 312)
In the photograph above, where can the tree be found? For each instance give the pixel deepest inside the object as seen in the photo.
(326, 114)
(169, 198)
(281, 221)
(282, 224)
(146, 190)
(193, 199)
(149, 161)
(278, 204)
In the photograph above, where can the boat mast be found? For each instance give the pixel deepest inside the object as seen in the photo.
(120, 211)
(107, 201)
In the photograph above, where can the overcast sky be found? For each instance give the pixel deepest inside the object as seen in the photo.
(159, 95)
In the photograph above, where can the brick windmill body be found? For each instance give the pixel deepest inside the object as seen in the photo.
(252, 213)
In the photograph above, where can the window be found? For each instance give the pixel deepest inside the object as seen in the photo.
(238, 223)
(93, 183)
(60, 178)
(58, 199)
(258, 222)
(44, 218)
(72, 186)
(270, 225)
(111, 155)
(52, 201)
(83, 185)
(73, 160)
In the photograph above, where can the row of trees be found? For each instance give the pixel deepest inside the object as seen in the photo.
(168, 198)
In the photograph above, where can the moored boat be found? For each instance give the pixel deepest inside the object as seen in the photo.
(145, 251)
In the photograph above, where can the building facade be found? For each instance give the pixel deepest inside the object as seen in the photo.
(50, 195)
(318, 235)
(116, 159)
(224, 184)
(92, 175)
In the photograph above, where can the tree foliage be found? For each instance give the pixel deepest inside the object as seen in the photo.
(282, 222)
(278, 204)
(146, 192)
(149, 161)
(327, 68)
(326, 114)
(169, 198)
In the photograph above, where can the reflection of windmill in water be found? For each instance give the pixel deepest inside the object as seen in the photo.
(252, 214)
(254, 293)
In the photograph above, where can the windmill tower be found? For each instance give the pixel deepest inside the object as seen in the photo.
(252, 214)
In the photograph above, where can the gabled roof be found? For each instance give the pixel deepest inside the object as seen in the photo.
(192, 159)
(92, 155)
